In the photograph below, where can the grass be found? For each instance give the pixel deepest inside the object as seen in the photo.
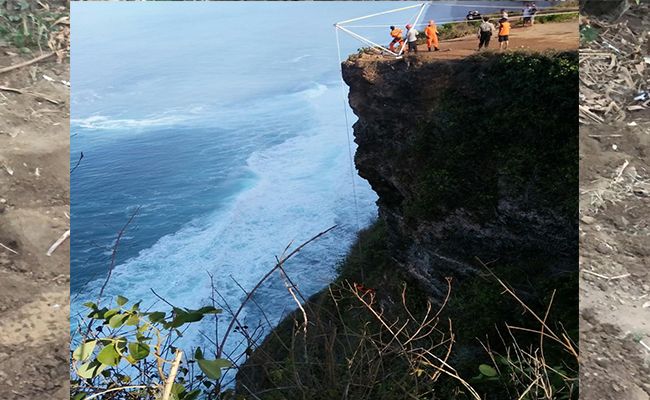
(28, 25)
(358, 343)
(556, 18)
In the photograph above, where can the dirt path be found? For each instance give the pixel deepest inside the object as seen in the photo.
(557, 36)
(34, 207)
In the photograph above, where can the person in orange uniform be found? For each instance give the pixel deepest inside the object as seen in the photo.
(431, 32)
(504, 32)
(396, 34)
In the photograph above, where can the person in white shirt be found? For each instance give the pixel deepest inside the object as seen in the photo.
(412, 38)
(526, 20)
(485, 31)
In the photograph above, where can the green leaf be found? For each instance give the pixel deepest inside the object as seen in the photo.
(84, 350)
(138, 350)
(90, 370)
(133, 320)
(487, 370)
(193, 395)
(142, 338)
(111, 312)
(92, 306)
(120, 345)
(121, 300)
(178, 388)
(156, 316)
(198, 354)
(117, 320)
(182, 317)
(98, 314)
(212, 368)
(588, 34)
(208, 310)
(80, 396)
(109, 356)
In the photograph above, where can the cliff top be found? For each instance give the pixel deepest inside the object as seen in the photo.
(540, 37)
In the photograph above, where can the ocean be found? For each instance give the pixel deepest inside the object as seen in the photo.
(223, 122)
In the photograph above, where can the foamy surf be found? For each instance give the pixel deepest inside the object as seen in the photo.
(101, 122)
(301, 186)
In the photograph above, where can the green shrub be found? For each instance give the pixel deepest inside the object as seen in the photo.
(515, 123)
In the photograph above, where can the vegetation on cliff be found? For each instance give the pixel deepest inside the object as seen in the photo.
(492, 137)
(386, 339)
(503, 124)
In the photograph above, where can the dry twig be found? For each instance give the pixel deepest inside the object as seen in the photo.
(27, 63)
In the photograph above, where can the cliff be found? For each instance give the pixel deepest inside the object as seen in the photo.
(471, 158)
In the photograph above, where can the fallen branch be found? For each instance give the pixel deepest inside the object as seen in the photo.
(58, 242)
(8, 248)
(609, 278)
(644, 345)
(26, 63)
(599, 136)
(34, 94)
(12, 90)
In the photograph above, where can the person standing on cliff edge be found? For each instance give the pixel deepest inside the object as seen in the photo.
(412, 38)
(431, 32)
(396, 34)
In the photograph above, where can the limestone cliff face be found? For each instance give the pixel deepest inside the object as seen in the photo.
(472, 158)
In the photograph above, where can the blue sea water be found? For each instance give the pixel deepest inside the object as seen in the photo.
(224, 122)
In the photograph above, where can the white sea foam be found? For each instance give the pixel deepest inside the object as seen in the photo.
(101, 122)
(299, 58)
(303, 185)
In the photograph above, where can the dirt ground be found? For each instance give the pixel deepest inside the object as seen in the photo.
(34, 207)
(615, 256)
(615, 252)
(558, 36)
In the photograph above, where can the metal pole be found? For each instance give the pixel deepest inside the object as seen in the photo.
(367, 41)
(414, 23)
(377, 14)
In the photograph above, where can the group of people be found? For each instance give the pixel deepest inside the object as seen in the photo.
(487, 29)
(485, 32)
(529, 14)
(431, 32)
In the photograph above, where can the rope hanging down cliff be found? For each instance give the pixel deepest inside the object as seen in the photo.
(347, 128)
